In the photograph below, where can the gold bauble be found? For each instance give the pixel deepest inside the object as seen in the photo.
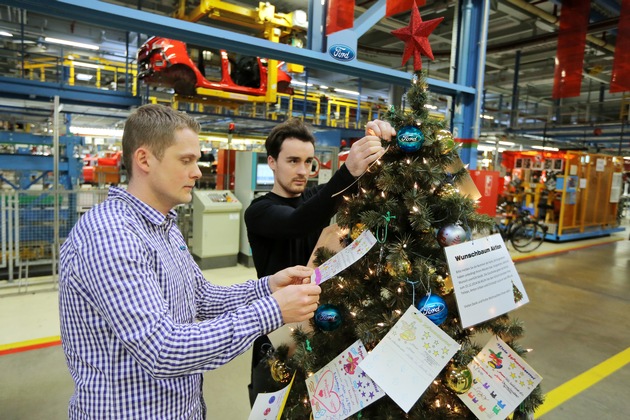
(356, 231)
(446, 138)
(447, 190)
(280, 372)
(446, 285)
(401, 267)
(458, 378)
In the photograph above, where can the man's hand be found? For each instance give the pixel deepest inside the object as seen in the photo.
(368, 149)
(295, 294)
(298, 274)
(297, 302)
(380, 129)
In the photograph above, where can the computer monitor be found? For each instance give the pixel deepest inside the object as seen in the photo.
(264, 175)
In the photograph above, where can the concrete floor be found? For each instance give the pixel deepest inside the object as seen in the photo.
(578, 317)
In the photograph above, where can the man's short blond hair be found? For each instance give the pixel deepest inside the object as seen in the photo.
(154, 127)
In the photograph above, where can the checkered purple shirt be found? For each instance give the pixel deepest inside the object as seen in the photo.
(130, 296)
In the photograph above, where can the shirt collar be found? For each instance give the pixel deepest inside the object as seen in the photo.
(151, 214)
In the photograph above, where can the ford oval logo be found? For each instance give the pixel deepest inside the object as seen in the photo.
(341, 52)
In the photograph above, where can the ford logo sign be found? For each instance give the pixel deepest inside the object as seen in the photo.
(341, 52)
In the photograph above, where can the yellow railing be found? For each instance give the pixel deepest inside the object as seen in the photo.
(84, 71)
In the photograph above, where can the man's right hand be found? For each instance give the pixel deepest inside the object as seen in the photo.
(297, 302)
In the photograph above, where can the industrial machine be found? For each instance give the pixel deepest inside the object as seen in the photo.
(216, 224)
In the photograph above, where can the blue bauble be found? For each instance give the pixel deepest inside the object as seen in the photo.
(328, 317)
(452, 235)
(434, 308)
(410, 139)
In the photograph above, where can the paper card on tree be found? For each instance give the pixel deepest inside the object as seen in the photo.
(270, 405)
(344, 258)
(409, 358)
(341, 388)
(501, 381)
(485, 280)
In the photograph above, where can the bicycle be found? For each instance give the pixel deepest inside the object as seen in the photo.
(524, 233)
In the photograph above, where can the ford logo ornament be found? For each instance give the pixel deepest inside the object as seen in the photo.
(341, 52)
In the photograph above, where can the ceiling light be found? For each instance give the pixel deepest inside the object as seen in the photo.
(83, 77)
(347, 92)
(86, 65)
(428, 106)
(94, 131)
(71, 43)
(483, 148)
(551, 149)
(296, 82)
(5, 33)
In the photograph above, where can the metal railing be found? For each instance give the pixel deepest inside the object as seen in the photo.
(28, 219)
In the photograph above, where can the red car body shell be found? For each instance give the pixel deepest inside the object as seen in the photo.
(166, 62)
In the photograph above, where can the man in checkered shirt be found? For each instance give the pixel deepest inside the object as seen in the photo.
(139, 323)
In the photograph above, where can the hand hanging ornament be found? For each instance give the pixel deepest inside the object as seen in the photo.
(415, 37)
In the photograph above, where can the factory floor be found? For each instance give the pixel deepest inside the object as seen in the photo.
(577, 325)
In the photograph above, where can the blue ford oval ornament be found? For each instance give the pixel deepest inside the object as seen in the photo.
(410, 139)
(341, 52)
(328, 317)
(434, 308)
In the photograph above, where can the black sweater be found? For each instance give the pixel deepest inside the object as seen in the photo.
(282, 232)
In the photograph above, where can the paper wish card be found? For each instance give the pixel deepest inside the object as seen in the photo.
(409, 358)
(341, 388)
(501, 381)
(270, 405)
(485, 279)
(344, 258)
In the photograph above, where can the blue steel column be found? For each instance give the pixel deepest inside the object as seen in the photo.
(316, 20)
(470, 65)
(515, 91)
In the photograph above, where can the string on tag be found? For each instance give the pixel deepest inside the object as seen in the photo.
(427, 287)
(413, 290)
(359, 177)
(382, 238)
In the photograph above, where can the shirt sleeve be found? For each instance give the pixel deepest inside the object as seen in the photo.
(272, 220)
(118, 277)
(213, 300)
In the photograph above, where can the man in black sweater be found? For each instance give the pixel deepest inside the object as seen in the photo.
(284, 225)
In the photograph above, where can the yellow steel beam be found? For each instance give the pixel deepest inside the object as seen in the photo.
(265, 14)
(215, 96)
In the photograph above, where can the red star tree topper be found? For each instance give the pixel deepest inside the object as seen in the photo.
(415, 36)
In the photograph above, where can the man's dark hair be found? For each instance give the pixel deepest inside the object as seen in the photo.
(291, 128)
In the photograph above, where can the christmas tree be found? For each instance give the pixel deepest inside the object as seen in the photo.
(411, 201)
